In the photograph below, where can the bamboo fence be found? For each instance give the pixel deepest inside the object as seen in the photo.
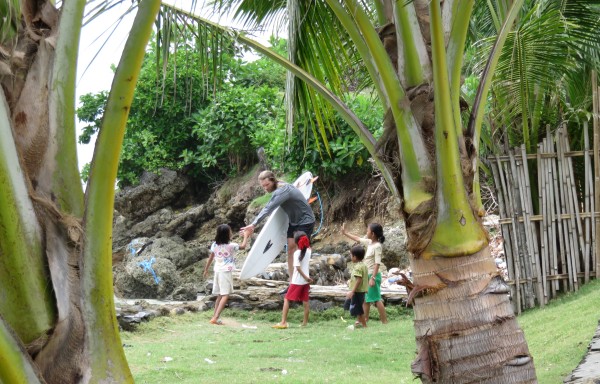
(552, 251)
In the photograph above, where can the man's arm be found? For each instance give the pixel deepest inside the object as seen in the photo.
(277, 198)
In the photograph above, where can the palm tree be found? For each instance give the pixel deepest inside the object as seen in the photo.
(57, 315)
(413, 56)
(57, 240)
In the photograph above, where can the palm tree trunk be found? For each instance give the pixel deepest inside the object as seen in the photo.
(465, 327)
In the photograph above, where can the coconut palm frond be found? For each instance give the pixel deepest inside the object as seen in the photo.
(583, 20)
(320, 47)
(252, 14)
(522, 79)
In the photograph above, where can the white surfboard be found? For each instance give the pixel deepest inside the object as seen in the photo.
(273, 236)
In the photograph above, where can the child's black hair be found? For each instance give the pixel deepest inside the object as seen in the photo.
(223, 234)
(358, 251)
(377, 230)
(303, 245)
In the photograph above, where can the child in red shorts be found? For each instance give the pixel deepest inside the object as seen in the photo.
(300, 284)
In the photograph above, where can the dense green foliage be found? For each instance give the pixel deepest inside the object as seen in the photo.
(347, 153)
(226, 129)
(180, 123)
(160, 121)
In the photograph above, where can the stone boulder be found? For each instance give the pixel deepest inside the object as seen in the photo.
(147, 278)
(154, 192)
(182, 254)
(395, 253)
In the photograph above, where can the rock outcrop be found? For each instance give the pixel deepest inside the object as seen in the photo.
(163, 229)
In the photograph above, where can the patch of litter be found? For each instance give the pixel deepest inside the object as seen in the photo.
(166, 358)
(292, 360)
(209, 361)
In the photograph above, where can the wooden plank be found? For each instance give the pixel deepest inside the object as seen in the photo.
(562, 216)
(545, 155)
(562, 276)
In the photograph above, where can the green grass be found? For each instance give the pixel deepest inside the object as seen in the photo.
(558, 335)
(324, 352)
(327, 352)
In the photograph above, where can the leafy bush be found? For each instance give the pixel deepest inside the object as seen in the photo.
(158, 128)
(226, 130)
(347, 153)
(179, 123)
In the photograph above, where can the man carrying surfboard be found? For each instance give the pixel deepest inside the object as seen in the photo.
(293, 203)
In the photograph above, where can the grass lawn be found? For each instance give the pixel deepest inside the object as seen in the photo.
(187, 349)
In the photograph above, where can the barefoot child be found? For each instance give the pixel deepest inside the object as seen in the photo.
(223, 252)
(359, 285)
(300, 283)
(373, 241)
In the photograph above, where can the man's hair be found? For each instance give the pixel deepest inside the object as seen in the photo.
(268, 175)
(358, 251)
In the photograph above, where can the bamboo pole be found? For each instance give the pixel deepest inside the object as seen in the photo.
(562, 247)
(527, 206)
(587, 201)
(567, 230)
(592, 213)
(543, 225)
(596, 145)
(521, 234)
(533, 230)
(573, 201)
(553, 261)
(516, 265)
(504, 228)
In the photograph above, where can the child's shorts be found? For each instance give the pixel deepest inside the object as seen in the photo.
(298, 292)
(355, 304)
(222, 283)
